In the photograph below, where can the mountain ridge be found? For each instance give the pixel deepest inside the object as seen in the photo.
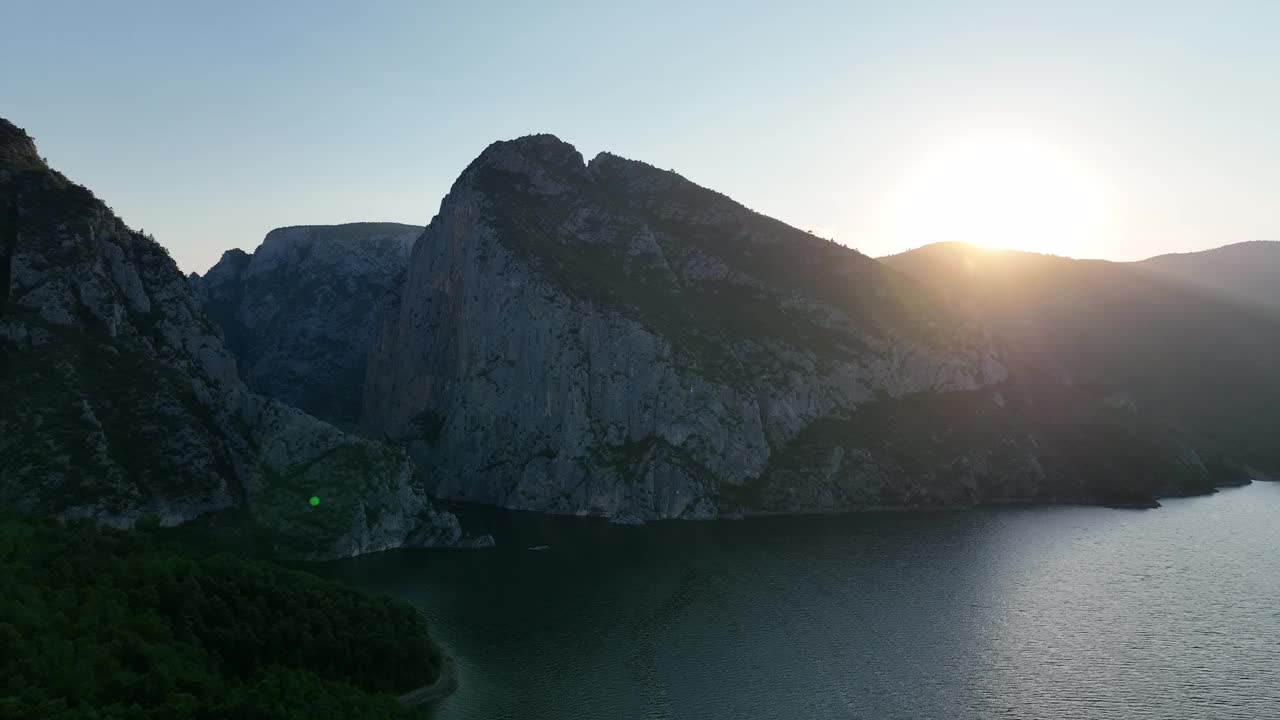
(1245, 271)
(1186, 353)
(609, 338)
(602, 338)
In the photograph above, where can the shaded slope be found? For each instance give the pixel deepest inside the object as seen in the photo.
(1248, 272)
(108, 624)
(1167, 349)
(298, 313)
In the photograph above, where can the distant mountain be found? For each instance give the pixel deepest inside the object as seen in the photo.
(609, 338)
(298, 313)
(1248, 272)
(120, 401)
(1173, 352)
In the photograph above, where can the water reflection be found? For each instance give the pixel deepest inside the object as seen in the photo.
(1046, 612)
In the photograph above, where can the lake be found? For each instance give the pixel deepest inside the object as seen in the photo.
(1045, 612)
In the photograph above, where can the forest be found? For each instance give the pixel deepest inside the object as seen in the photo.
(100, 623)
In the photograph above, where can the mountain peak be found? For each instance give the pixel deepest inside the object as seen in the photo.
(356, 233)
(17, 149)
(537, 141)
(233, 261)
(1240, 248)
(235, 255)
(543, 149)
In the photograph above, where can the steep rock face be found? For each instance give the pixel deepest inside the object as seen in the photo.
(299, 312)
(121, 402)
(612, 339)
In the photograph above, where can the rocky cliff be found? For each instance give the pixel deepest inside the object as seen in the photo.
(609, 338)
(298, 313)
(121, 402)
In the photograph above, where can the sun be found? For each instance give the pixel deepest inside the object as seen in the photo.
(998, 191)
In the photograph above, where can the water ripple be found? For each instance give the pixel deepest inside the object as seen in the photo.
(1053, 613)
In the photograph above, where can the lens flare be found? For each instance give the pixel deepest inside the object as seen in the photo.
(1000, 192)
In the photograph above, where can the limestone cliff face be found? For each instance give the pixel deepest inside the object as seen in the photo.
(120, 400)
(298, 313)
(611, 339)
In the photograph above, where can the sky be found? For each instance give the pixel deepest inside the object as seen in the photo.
(1114, 129)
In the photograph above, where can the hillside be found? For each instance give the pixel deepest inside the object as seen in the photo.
(1169, 350)
(1248, 272)
(108, 624)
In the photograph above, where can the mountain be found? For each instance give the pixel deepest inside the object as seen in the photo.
(121, 402)
(298, 313)
(1190, 357)
(1248, 272)
(609, 338)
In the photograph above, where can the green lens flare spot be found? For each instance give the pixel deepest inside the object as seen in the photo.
(314, 501)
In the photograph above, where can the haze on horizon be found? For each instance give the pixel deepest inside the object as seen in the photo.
(1090, 129)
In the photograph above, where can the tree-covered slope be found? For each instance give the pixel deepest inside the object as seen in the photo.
(103, 624)
(1248, 272)
(1155, 345)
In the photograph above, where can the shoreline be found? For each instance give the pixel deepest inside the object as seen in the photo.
(1152, 502)
(444, 685)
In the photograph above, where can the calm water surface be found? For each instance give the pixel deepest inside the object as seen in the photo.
(1057, 612)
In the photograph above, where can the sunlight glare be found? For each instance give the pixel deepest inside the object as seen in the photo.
(999, 192)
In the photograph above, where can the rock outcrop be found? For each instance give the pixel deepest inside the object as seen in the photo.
(121, 402)
(612, 339)
(299, 312)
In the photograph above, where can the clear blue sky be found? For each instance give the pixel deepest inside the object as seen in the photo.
(209, 123)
